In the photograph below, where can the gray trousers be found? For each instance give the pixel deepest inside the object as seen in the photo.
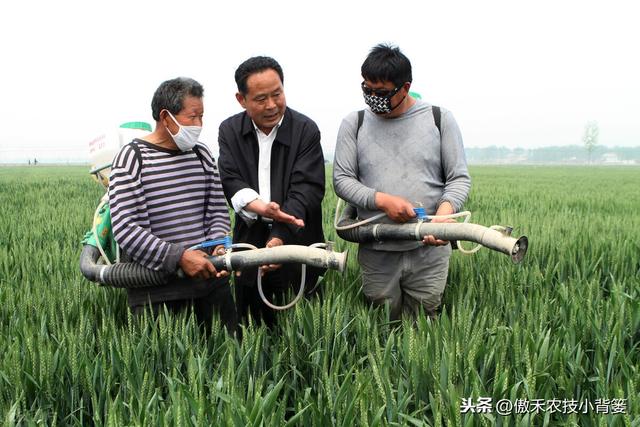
(405, 280)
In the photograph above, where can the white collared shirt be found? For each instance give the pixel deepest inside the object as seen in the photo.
(248, 195)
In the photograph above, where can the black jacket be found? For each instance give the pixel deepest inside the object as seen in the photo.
(297, 176)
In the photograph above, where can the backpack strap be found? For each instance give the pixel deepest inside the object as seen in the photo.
(360, 120)
(200, 155)
(198, 152)
(138, 156)
(436, 118)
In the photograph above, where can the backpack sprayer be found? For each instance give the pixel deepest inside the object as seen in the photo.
(496, 237)
(134, 275)
(98, 264)
(100, 256)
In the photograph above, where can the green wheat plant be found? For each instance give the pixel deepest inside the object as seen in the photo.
(564, 324)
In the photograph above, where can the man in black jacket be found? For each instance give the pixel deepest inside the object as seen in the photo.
(272, 171)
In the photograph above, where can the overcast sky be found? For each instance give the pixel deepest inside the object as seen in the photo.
(514, 74)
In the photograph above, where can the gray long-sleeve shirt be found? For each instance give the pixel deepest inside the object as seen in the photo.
(403, 156)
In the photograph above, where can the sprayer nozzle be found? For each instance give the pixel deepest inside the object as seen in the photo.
(519, 249)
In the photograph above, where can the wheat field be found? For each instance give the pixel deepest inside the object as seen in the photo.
(553, 341)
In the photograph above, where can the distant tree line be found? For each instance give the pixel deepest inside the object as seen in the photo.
(566, 154)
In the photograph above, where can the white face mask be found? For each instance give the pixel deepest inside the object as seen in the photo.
(186, 137)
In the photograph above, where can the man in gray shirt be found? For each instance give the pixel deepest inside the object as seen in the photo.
(395, 160)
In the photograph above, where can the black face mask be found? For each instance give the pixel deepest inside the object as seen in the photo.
(379, 104)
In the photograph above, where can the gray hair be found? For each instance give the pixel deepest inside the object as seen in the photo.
(171, 94)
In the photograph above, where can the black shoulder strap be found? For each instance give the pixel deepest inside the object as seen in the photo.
(360, 120)
(136, 149)
(436, 118)
(138, 155)
(196, 150)
(200, 155)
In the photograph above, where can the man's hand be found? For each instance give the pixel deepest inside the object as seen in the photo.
(272, 210)
(444, 209)
(397, 208)
(221, 250)
(275, 241)
(195, 264)
(431, 240)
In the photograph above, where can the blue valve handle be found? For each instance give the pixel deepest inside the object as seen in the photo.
(226, 241)
(421, 214)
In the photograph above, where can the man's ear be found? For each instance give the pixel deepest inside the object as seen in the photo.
(163, 117)
(241, 100)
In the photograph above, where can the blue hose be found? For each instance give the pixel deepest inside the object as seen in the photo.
(226, 241)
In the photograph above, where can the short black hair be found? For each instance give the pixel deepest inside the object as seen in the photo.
(256, 64)
(170, 95)
(386, 63)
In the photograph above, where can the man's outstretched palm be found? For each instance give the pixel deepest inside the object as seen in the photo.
(272, 210)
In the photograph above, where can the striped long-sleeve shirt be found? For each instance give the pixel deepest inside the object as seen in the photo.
(164, 201)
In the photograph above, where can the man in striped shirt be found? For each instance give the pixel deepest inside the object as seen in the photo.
(165, 196)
